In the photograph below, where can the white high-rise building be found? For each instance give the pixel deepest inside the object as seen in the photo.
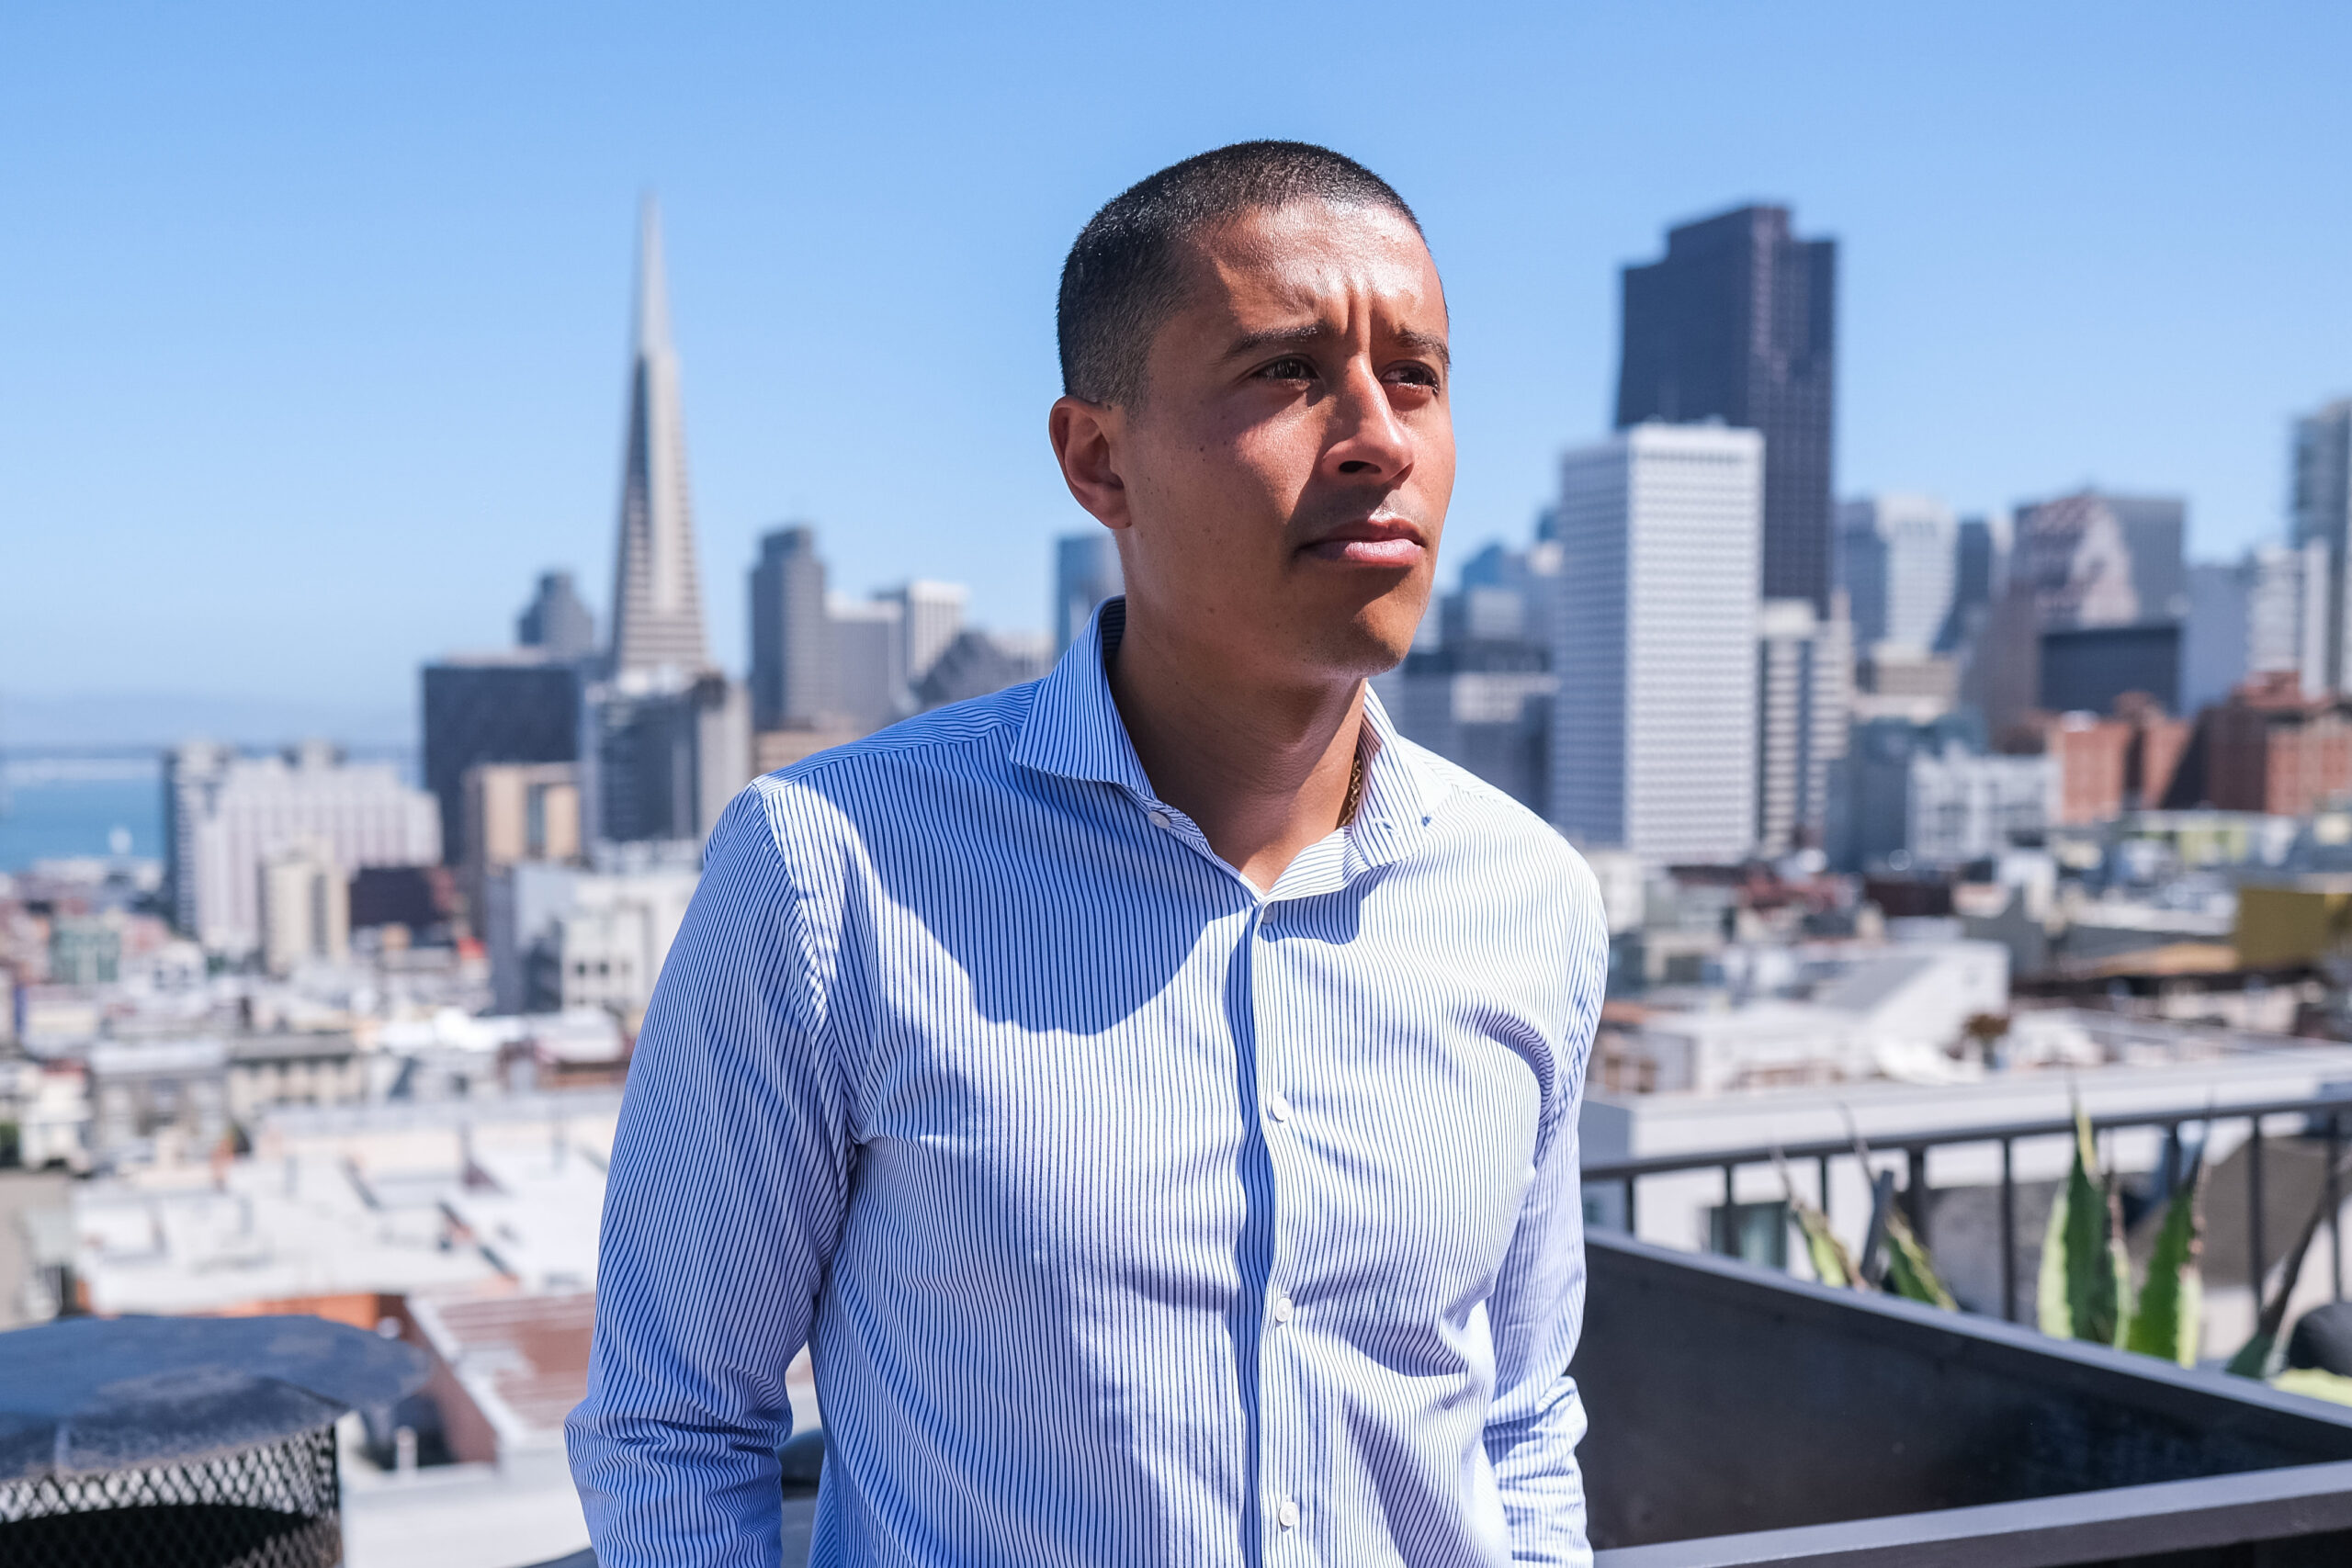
(1803, 695)
(1896, 559)
(1654, 732)
(230, 816)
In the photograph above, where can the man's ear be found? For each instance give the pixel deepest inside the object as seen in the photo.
(1086, 441)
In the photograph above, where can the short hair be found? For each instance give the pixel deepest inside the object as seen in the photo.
(1124, 274)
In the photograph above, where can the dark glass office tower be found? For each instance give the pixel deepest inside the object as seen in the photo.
(1738, 323)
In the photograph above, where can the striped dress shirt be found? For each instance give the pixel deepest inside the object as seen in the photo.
(1131, 1215)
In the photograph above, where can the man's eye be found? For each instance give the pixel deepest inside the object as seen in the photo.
(1414, 375)
(1288, 370)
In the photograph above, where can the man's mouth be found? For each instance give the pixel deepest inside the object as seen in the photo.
(1378, 542)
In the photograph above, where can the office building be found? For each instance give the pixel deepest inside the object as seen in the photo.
(666, 738)
(657, 588)
(519, 811)
(567, 936)
(1478, 687)
(662, 764)
(2256, 617)
(870, 662)
(556, 622)
(509, 706)
(1804, 667)
(1086, 572)
(2272, 747)
(1528, 583)
(229, 815)
(1738, 322)
(2080, 563)
(2218, 637)
(792, 673)
(2321, 499)
(930, 616)
(1485, 705)
(979, 662)
(1654, 727)
(305, 908)
(1922, 795)
(1980, 565)
(1897, 556)
(2086, 668)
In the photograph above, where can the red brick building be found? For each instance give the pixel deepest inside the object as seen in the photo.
(2108, 766)
(2271, 749)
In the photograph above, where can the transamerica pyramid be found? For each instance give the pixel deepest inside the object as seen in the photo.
(657, 595)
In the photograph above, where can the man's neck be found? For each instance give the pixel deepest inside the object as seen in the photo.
(1263, 769)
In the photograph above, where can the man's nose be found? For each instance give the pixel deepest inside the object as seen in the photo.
(1369, 440)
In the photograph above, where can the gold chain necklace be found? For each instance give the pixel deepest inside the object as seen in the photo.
(1355, 787)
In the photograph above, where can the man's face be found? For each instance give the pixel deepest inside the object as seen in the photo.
(1286, 471)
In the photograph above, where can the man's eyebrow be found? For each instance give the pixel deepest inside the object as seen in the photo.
(1249, 343)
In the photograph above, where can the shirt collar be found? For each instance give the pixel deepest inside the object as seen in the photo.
(1073, 730)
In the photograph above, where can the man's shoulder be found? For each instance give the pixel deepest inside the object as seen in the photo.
(1498, 830)
(846, 791)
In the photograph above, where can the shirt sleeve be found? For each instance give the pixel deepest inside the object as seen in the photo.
(724, 1202)
(1537, 1309)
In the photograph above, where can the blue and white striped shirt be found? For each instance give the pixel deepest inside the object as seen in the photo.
(1132, 1216)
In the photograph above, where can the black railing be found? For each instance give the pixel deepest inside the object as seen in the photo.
(2329, 1115)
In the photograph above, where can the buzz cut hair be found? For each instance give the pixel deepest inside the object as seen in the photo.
(1124, 274)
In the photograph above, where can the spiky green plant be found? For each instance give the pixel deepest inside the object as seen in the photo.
(1832, 1263)
(1909, 1272)
(2085, 1287)
(2170, 1317)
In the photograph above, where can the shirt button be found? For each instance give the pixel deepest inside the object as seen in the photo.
(1287, 1512)
(1161, 819)
(1276, 1106)
(1281, 1309)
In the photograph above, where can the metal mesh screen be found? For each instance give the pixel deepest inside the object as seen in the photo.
(274, 1506)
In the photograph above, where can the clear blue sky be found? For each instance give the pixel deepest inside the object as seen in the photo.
(314, 322)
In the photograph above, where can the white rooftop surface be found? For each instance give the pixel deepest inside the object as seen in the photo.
(173, 1242)
(369, 1198)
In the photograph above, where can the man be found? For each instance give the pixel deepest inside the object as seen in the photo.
(1150, 1091)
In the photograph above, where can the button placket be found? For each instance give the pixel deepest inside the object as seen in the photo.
(1279, 1366)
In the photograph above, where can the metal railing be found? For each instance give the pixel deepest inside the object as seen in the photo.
(2332, 1114)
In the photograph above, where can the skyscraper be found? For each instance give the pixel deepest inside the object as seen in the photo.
(507, 705)
(1896, 555)
(1738, 323)
(1086, 572)
(657, 593)
(555, 621)
(2321, 500)
(1804, 694)
(1654, 730)
(791, 639)
(667, 740)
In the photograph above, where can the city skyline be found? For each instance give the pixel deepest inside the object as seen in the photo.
(252, 336)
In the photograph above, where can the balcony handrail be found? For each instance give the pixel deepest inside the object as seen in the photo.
(1988, 1132)
(2336, 1109)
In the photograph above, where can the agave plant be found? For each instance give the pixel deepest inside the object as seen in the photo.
(2085, 1285)
(1893, 1258)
